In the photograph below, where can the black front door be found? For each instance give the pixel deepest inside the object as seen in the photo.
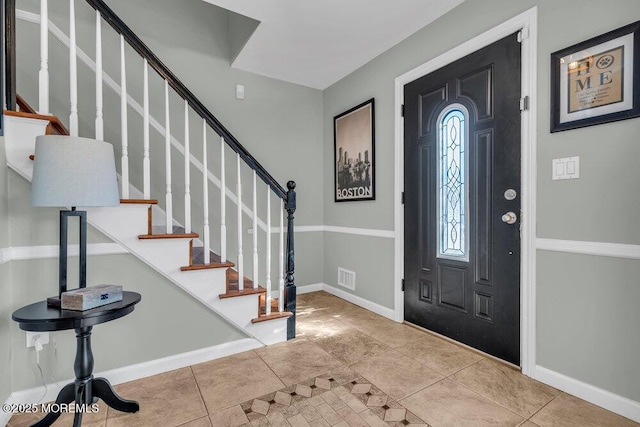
(462, 200)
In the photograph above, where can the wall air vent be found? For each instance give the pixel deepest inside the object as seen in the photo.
(346, 278)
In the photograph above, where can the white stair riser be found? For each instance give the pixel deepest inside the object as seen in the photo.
(22, 142)
(271, 331)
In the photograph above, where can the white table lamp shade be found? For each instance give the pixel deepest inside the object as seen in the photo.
(73, 171)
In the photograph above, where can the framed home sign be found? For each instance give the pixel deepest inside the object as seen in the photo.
(596, 81)
(353, 138)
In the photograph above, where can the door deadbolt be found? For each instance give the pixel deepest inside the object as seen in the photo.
(509, 218)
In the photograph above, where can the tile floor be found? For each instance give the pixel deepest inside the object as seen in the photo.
(348, 367)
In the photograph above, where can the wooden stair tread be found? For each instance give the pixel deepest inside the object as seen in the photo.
(55, 128)
(248, 290)
(263, 309)
(232, 280)
(273, 315)
(159, 232)
(197, 260)
(232, 286)
(139, 201)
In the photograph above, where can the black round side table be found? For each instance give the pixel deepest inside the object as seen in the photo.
(42, 318)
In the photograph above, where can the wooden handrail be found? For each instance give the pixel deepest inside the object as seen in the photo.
(24, 105)
(139, 46)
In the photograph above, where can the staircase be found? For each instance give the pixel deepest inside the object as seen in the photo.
(147, 228)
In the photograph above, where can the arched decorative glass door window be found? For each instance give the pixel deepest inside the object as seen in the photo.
(453, 191)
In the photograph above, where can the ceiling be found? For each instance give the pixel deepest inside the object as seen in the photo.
(317, 42)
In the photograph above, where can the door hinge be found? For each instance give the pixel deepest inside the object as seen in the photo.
(523, 34)
(402, 110)
(402, 285)
(524, 103)
(402, 198)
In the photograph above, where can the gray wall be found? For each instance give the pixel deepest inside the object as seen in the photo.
(5, 286)
(578, 296)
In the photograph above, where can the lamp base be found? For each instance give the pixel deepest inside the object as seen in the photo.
(54, 302)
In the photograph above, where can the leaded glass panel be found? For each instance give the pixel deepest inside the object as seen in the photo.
(452, 182)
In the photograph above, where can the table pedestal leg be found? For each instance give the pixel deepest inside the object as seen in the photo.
(66, 395)
(83, 390)
(102, 389)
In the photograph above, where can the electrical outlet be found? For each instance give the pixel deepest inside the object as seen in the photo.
(31, 338)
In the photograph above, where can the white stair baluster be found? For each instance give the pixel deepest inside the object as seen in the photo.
(223, 205)
(187, 171)
(73, 71)
(99, 112)
(281, 261)
(268, 260)
(239, 198)
(43, 75)
(205, 194)
(255, 232)
(124, 123)
(167, 156)
(146, 161)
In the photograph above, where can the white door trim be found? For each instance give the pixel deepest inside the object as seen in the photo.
(526, 21)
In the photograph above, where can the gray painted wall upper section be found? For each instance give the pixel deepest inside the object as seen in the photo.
(566, 210)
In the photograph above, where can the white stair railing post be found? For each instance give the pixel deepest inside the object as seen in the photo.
(73, 71)
(167, 146)
(124, 126)
(239, 198)
(255, 232)
(146, 162)
(43, 75)
(281, 260)
(99, 112)
(223, 205)
(187, 171)
(205, 194)
(268, 260)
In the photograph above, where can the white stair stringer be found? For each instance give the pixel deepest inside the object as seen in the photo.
(123, 224)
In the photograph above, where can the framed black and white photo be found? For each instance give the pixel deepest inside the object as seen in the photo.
(596, 81)
(353, 136)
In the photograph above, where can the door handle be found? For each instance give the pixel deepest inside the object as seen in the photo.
(509, 218)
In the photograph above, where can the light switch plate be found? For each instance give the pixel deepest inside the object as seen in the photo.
(239, 91)
(566, 168)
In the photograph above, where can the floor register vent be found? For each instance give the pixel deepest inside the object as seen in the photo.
(346, 278)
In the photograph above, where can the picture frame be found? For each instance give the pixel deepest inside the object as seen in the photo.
(596, 81)
(354, 153)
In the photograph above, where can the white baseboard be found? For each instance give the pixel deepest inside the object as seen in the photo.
(354, 299)
(135, 372)
(305, 289)
(613, 402)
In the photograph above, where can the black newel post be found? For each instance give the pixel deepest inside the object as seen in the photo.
(290, 287)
